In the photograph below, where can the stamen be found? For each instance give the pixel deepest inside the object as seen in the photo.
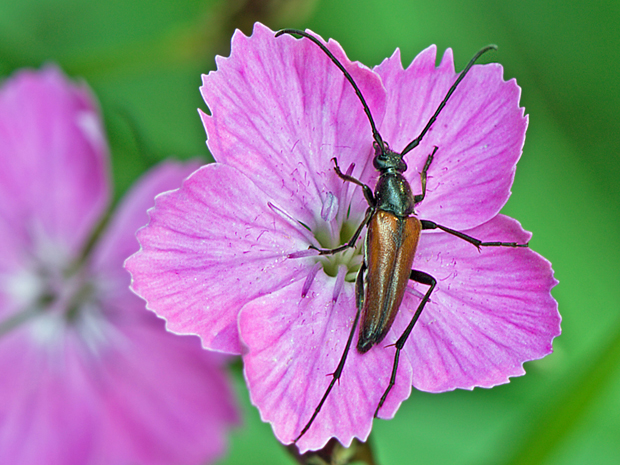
(412, 290)
(292, 221)
(342, 273)
(330, 207)
(349, 171)
(303, 253)
(346, 194)
(310, 278)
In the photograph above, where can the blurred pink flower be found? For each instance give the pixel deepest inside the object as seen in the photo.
(226, 256)
(88, 375)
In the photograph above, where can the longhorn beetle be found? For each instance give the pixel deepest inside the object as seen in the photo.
(392, 237)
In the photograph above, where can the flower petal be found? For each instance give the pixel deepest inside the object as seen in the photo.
(119, 240)
(491, 310)
(293, 345)
(88, 375)
(172, 393)
(210, 247)
(144, 396)
(479, 135)
(35, 409)
(53, 181)
(285, 101)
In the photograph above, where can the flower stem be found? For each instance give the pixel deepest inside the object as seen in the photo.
(334, 453)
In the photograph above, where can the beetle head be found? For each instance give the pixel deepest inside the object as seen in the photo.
(387, 160)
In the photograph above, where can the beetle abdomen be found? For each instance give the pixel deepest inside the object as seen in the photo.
(390, 247)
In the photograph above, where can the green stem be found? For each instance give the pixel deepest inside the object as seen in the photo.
(334, 453)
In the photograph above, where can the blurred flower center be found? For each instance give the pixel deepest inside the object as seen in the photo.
(52, 294)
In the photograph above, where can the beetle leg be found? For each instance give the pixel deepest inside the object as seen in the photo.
(418, 198)
(359, 299)
(370, 198)
(422, 278)
(472, 240)
(353, 240)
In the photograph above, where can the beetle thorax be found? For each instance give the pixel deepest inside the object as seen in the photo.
(393, 194)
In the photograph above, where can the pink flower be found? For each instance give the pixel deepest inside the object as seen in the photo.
(88, 376)
(226, 256)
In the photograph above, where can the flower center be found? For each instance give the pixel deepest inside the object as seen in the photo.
(50, 296)
(351, 258)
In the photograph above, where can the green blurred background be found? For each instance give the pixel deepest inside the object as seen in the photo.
(144, 59)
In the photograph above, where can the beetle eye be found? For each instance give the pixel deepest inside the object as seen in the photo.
(378, 152)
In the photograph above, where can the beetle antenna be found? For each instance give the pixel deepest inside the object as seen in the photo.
(375, 133)
(414, 143)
